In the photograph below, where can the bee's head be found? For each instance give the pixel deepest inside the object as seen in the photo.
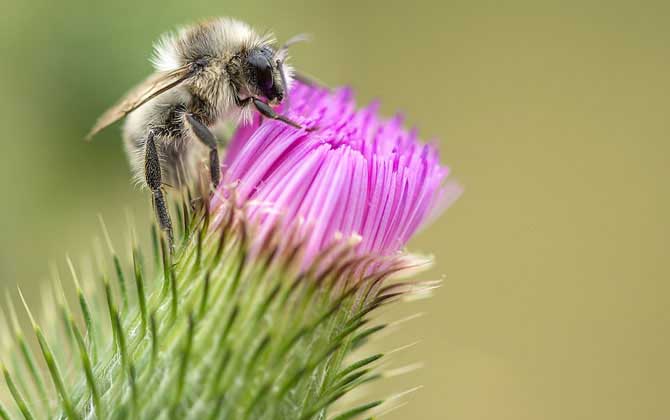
(265, 75)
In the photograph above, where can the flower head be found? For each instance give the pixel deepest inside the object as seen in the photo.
(354, 174)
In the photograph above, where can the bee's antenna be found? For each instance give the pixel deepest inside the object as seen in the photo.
(281, 52)
(280, 55)
(304, 37)
(287, 98)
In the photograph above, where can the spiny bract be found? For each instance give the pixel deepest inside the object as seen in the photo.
(220, 333)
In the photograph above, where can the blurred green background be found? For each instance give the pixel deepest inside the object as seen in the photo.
(554, 115)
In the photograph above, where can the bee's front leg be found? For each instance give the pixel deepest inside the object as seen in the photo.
(207, 138)
(267, 111)
(152, 173)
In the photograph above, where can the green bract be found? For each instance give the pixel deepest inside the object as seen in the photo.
(216, 331)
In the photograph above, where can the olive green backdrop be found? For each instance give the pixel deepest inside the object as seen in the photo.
(554, 115)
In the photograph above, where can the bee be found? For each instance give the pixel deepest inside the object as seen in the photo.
(211, 72)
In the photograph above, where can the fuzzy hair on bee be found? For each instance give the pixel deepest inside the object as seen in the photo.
(216, 71)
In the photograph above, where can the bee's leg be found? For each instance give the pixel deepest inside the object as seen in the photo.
(207, 138)
(267, 111)
(152, 172)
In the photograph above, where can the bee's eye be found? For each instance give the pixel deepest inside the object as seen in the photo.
(261, 69)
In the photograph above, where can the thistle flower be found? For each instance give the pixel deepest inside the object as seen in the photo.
(356, 175)
(205, 332)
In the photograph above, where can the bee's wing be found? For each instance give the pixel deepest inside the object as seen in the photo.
(153, 86)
